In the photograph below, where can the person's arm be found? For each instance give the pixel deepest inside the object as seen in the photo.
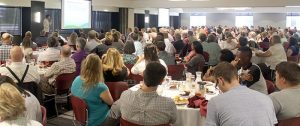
(106, 97)
(252, 76)
(173, 113)
(212, 115)
(115, 112)
(136, 67)
(268, 53)
(53, 70)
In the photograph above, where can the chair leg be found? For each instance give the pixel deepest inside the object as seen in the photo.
(55, 103)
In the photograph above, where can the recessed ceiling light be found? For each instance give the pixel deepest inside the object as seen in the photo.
(105, 10)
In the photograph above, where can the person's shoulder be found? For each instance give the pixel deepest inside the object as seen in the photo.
(33, 123)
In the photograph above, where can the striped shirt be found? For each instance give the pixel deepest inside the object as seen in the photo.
(144, 108)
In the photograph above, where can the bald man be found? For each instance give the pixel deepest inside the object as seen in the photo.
(5, 47)
(19, 67)
(65, 65)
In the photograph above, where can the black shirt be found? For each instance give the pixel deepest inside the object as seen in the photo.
(109, 77)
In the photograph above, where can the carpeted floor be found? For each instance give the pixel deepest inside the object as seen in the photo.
(65, 119)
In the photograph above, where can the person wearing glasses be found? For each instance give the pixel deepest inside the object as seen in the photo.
(238, 105)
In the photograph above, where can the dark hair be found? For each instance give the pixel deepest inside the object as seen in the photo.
(154, 74)
(265, 70)
(246, 50)
(161, 45)
(290, 71)
(134, 36)
(211, 38)
(81, 42)
(47, 15)
(7, 79)
(243, 41)
(226, 55)
(293, 42)
(52, 42)
(225, 70)
(190, 33)
(202, 37)
(129, 47)
(198, 47)
(150, 53)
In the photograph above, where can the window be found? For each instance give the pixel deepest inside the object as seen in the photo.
(243, 21)
(10, 20)
(293, 21)
(197, 21)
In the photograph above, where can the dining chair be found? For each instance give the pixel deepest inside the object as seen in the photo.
(63, 83)
(80, 110)
(44, 115)
(124, 122)
(289, 122)
(116, 89)
(176, 71)
(270, 86)
(132, 77)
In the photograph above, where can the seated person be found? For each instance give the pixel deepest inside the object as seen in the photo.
(5, 46)
(195, 63)
(250, 73)
(113, 67)
(65, 65)
(80, 54)
(286, 102)
(164, 55)
(18, 67)
(90, 87)
(150, 54)
(237, 105)
(32, 105)
(155, 109)
(128, 56)
(13, 107)
(51, 53)
(92, 42)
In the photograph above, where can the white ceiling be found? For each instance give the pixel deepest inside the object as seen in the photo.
(196, 4)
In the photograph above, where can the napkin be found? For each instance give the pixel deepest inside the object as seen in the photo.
(198, 102)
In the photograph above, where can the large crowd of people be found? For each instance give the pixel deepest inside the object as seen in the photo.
(226, 55)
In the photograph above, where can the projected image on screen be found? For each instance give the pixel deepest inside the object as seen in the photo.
(76, 14)
(163, 17)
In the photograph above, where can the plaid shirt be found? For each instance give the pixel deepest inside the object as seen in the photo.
(144, 108)
(5, 52)
(65, 65)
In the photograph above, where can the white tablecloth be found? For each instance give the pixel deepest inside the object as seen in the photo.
(185, 116)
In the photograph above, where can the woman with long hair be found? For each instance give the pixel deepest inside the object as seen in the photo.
(26, 48)
(90, 87)
(197, 62)
(113, 66)
(150, 55)
(117, 42)
(128, 56)
(12, 107)
(293, 50)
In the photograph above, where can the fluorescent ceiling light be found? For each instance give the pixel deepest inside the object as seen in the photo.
(233, 8)
(200, 0)
(292, 6)
(177, 0)
(105, 10)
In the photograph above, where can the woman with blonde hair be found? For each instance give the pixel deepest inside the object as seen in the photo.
(12, 107)
(114, 68)
(90, 87)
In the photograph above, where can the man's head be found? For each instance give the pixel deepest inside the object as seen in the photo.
(287, 75)
(6, 38)
(52, 42)
(202, 37)
(161, 45)
(275, 39)
(48, 16)
(92, 34)
(80, 43)
(226, 76)
(135, 37)
(245, 55)
(66, 51)
(154, 74)
(243, 41)
(16, 54)
(211, 38)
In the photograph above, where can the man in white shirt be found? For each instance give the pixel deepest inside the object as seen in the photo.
(46, 24)
(238, 105)
(18, 67)
(51, 53)
(92, 42)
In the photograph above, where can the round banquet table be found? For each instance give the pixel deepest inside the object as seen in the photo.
(185, 116)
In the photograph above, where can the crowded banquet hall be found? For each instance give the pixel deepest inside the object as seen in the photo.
(149, 63)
